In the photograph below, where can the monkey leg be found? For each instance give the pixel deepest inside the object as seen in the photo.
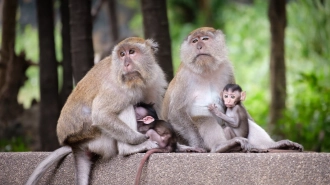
(229, 133)
(211, 133)
(286, 144)
(235, 144)
(189, 149)
(82, 166)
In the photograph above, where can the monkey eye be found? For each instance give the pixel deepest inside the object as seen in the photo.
(232, 97)
(122, 54)
(226, 96)
(205, 38)
(194, 41)
(131, 51)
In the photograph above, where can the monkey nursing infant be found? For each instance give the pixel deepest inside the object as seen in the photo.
(99, 116)
(204, 71)
(90, 120)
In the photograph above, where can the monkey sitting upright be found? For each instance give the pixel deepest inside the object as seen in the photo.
(90, 120)
(236, 117)
(237, 120)
(204, 71)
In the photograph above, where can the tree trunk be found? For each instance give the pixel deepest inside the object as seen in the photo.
(81, 38)
(66, 50)
(10, 109)
(49, 104)
(277, 17)
(8, 36)
(156, 27)
(112, 9)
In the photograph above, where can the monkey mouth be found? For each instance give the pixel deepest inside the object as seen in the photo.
(202, 54)
(229, 105)
(133, 78)
(202, 59)
(131, 75)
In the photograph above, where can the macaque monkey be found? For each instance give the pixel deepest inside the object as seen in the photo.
(236, 117)
(163, 133)
(91, 119)
(204, 71)
(157, 130)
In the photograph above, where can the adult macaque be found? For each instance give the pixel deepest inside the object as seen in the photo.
(89, 121)
(204, 71)
(236, 117)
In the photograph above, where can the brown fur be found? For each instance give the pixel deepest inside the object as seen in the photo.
(90, 122)
(204, 71)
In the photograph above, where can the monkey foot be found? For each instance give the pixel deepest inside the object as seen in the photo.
(288, 145)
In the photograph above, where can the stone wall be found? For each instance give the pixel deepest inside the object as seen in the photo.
(179, 168)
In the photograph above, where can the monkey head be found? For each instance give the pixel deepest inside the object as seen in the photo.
(204, 50)
(232, 94)
(134, 61)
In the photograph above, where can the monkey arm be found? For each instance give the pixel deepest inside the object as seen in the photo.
(106, 118)
(230, 121)
(117, 129)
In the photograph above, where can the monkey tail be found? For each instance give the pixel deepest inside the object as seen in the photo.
(45, 164)
(143, 160)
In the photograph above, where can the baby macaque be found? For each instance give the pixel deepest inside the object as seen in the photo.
(157, 130)
(236, 117)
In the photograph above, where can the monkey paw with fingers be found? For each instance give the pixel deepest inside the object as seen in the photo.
(151, 144)
(139, 139)
(212, 107)
(194, 150)
(257, 150)
(289, 145)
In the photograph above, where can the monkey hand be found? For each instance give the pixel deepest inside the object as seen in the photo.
(138, 139)
(149, 144)
(212, 107)
(194, 150)
(189, 149)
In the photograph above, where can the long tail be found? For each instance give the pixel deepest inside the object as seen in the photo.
(45, 164)
(144, 159)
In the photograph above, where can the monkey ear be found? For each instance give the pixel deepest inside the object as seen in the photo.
(154, 45)
(148, 120)
(243, 95)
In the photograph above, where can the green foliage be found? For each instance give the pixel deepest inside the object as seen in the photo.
(306, 119)
(27, 42)
(15, 144)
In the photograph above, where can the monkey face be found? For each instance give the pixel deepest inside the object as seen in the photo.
(134, 61)
(203, 50)
(231, 98)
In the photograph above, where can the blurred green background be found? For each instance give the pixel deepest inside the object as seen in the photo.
(247, 30)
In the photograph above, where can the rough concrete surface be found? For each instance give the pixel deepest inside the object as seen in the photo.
(179, 168)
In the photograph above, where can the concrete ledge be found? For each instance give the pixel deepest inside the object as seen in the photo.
(179, 168)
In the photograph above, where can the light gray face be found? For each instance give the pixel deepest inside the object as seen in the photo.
(140, 113)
